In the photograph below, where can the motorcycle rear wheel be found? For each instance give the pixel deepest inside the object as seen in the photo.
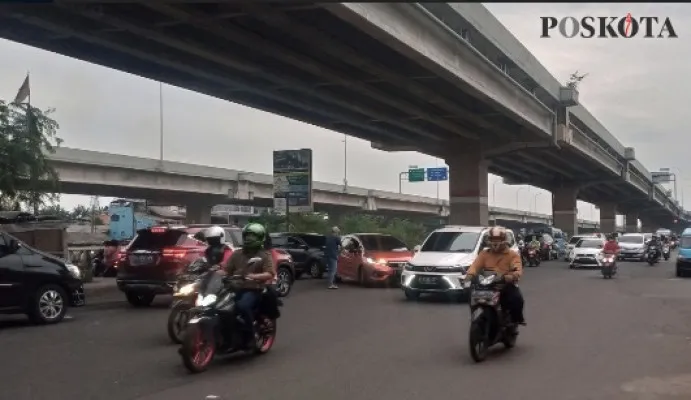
(198, 349)
(266, 328)
(477, 342)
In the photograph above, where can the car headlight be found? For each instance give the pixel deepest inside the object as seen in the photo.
(187, 289)
(408, 267)
(74, 270)
(459, 268)
(205, 301)
(369, 260)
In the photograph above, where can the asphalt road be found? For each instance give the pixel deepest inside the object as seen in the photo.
(587, 338)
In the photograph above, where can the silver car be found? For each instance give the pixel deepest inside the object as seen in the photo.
(632, 246)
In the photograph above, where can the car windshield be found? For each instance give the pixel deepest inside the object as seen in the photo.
(575, 239)
(685, 242)
(635, 239)
(590, 243)
(452, 242)
(382, 243)
(157, 240)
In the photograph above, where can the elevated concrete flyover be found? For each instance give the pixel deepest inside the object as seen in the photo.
(200, 187)
(397, 74)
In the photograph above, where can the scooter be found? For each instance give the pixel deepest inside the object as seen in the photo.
(533, 259)
(665, 251)
(184, 295)
(652, 256)
(609, 266)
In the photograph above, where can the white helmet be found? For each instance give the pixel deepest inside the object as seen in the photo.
(215, 232)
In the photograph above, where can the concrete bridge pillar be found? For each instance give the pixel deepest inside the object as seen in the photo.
(468, 188)
(564, 209)
(197, 213)
(608, 217)
(648, 225)
(631, 222)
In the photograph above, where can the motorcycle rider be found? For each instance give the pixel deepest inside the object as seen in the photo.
(500, 259)
(611, 245)
(654, 242)
(217, 251)
(249, 293)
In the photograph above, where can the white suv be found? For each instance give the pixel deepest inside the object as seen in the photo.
(441, 263)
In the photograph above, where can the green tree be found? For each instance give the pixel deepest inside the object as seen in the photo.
(411, 233)
(26, 135)
(81, 212)
(55, 210)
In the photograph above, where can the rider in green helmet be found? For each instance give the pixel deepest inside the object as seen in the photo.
(259, 275)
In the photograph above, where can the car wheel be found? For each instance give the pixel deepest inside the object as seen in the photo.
(316, 271)
(49, 305)
(140, 299)
(284, 281)
(361, 278)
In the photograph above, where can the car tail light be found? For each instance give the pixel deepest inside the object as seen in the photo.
(158, 230)
(174, 253)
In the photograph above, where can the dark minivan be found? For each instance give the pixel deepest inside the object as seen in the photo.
(306, 249)
(35, 283)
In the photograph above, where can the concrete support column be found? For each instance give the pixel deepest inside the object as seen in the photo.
(608, 217)
(468, 188)
(648, 225)
(564, 209)
(631, 222)
(197, 213)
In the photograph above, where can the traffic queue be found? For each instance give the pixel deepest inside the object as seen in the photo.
(227, 282)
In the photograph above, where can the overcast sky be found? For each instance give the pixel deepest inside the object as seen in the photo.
(638, 88)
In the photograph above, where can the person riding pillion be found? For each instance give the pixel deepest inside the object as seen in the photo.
(499, 258)
(259, 275)
(217, 252)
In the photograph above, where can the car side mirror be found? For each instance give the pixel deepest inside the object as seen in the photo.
(417, 248)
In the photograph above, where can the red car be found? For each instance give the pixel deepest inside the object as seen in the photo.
(372, 258)
(150, 263)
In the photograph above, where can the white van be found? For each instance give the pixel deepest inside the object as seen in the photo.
(443, 259)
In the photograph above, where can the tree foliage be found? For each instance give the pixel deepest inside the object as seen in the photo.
(26, 135)
(410, 232)
(575, 80)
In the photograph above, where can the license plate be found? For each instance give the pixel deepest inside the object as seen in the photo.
(141, 260)
(428, 280)
(483, 294)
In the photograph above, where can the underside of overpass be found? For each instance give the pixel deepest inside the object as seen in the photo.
(325, 65)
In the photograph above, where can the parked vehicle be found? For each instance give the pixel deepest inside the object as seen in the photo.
(489, 323)
(632, 246)
(588, 253)
(306, 249)
(35, 283)
(215, 325)
(150, 264)
(372, 258)
(441, 263)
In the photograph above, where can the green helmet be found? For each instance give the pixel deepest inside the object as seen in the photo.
(253, 236)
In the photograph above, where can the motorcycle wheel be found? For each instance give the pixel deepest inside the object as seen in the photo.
(267, 335)
(198, 349)
(177, 321)
(477, 342)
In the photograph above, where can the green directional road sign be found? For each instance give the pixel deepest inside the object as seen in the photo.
(416, 175)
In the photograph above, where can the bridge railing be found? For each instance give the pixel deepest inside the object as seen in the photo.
(586, 144)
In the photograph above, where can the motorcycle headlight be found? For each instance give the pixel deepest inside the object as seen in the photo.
(205, 301)
(74, 270)
(187, 289)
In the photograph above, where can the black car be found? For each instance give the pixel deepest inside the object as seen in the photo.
(306, 249)
(36, 283)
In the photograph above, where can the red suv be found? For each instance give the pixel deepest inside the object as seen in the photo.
(149, 265)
